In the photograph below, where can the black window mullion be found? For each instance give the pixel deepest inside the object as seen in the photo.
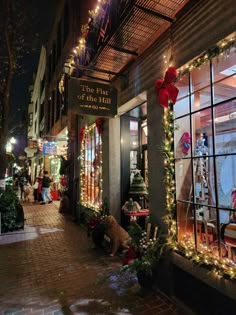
(214, 157)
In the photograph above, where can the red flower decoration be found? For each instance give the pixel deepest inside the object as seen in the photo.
(99, 123)
(129, 255)
(165, 89)
(81, 134)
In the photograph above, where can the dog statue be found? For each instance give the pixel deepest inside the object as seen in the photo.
(119, 237)
(26, 192)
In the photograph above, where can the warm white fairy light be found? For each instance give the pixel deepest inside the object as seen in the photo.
(220, 267)
(83, 197)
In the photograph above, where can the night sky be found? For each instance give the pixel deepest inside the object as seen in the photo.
(40, 22)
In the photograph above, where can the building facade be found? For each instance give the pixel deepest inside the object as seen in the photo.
(35, 118)
(129, 52)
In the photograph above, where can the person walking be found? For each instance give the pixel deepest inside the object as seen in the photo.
(45, 188)
(35, 187)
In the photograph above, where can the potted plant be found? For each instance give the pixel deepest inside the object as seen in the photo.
(12, 214)
(144, 254)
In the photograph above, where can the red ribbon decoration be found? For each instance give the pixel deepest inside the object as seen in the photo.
(99, 122)
(165, 89)
(81, 134)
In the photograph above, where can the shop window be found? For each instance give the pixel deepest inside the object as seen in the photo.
(55, 165)
(200, 87)
(225, 127)
(182, 106)
(91, 169)
(205, 157)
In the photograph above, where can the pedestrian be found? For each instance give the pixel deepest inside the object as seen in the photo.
(22, 182)
(35, 187)
(46, 188)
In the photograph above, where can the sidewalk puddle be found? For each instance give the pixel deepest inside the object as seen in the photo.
(29, 233)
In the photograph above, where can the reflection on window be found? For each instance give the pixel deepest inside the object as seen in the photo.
(91, 169)
(205, 158)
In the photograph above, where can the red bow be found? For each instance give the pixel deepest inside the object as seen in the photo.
(165, 89)
(81, 134)
(99, 122)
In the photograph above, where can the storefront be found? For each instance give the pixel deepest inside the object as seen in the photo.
(203, 158)
(200, 151)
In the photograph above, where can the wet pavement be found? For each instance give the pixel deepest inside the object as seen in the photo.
(51, 268)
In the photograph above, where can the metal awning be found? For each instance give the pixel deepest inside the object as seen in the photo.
(144, 21)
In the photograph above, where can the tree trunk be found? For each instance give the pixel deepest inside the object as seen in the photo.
(6, 91)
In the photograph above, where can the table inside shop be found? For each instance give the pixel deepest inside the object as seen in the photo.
(136, 216)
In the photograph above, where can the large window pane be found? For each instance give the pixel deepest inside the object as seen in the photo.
(185, 221)
(200, 77)
(183, 86)
(226, 179)
(206, 229)
(182, 137)
(206, 175)
(201, 99)
(225, 128)
(183, 177)
(224, 76)
(224, 66)
(224, 89)
(204, 181)
(200, 87)
(181, 107)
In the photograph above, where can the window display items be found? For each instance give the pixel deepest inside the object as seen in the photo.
(186, 142)
(131, 206)
(138, 186)
(201, 149)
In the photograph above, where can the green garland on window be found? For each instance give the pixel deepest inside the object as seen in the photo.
(168, 151)
(219, 267)
(223, 48)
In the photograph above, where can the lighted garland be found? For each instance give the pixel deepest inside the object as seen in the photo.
(217, 267)
(168, 126)
(83, 138)
(223, 48)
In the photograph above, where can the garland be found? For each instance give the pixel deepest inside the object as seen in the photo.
(223, 48)
(219, 267)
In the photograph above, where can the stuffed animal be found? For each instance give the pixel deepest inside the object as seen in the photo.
(119, 237)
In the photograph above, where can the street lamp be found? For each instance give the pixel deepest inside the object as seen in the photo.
(13, 140)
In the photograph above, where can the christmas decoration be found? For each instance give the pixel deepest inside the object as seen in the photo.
(81, 134)
(219, 267)
(186, 142)
(88, 174)
(165, 90)
(99, 123)
(138, 186)
(222, 48)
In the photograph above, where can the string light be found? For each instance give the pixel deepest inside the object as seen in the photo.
(222, 48)
(204, 256)
(84, 200)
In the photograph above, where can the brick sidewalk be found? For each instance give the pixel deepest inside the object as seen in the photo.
(51, 269)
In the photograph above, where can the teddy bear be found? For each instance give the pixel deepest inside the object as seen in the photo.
(119, 237)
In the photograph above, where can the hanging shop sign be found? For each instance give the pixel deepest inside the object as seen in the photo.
(92, 98)
(49, 148)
